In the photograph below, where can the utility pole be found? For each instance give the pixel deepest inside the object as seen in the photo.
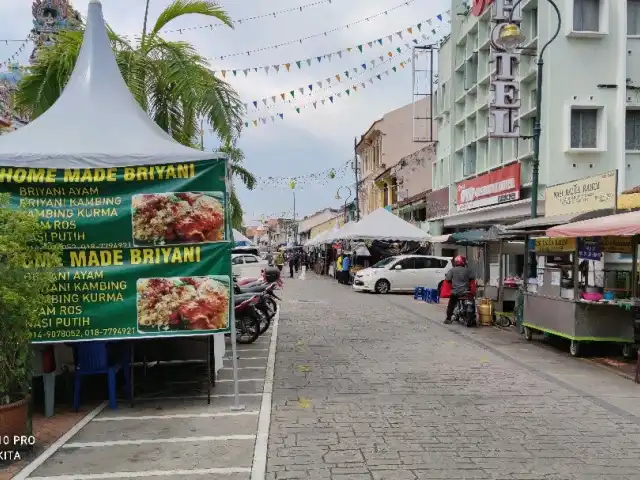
(355, 171)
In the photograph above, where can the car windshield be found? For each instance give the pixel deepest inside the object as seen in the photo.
(384, 263)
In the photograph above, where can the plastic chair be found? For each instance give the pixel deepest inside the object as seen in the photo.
(434, 296)
(92, 358)
(418, 293)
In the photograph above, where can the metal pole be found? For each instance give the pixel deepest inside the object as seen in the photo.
(355, 169)
(294, 218)
(431, 94)
(234, 362)
(537, 128)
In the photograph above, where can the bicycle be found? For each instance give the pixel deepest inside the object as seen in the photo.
(504, 319)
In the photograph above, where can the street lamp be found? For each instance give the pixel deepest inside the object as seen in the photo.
(345, 200)
(511, 37)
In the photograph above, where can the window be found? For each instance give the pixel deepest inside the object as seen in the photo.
(633, 17)
(407, 264)
(442, 263)
(584, 128)
(422, 262)
(248, 259)
(236, 261)
(632, 130)
(586, 15)
(469, 165)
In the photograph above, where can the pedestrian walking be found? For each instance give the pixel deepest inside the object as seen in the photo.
(292, 262)
(346, 264)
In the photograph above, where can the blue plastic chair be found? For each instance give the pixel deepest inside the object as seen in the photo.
(92, 358)
(418, 293)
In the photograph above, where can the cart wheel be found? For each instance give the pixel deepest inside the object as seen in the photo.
(574, 348)
(528, 334)
(628, 351)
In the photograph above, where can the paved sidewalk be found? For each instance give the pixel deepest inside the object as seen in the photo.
(368, 387)
(172, 438)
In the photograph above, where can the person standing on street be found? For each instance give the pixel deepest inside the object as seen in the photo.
(339, 268)
(460, 277)
(292, 264)
(346, 264)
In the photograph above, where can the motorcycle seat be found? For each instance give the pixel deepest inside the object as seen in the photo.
(252, 289)
(238, 298)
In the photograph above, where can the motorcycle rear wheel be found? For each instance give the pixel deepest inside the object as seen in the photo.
(247, 329)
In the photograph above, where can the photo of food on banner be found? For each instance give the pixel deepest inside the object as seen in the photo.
(186, 303)
(178, 218)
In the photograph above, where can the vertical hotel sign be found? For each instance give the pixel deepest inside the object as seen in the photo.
(504, 105)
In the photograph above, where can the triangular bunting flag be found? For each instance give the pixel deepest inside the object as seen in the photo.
(298, 109)
(347, 92)
(371, 80)
(276, 68)
(299, 63)
(328, 80)
(320, 84)
(390, 38)
(309, 62)
(360, 48)
(439, 17)
(292, 93)
(390, 54)
(224, 73)
(331, 99)
(264, 100)
(362, 85)
(273, 119)
(323, 100)
(266, 70)
(399, 34)
(380, 41)
(410, 30)
(315, 105)
(355, 70)
(282, 95)
(370, 44)
(287, 66)
(349, 49)
(339, 53)
(281, 115)
(235, 72)
(319, 59)
(339, 95)
(246, 72)
(346, 72)
(355, 89)
(273, 99)
(399, 50)
(301, 90)
(338, 77)
(378, 76)
(364, 66)
(255, 104)
(419, 27)
(310, 87)
(255, 123)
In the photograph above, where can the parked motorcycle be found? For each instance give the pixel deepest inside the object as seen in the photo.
(247, 318)
(465, 311)
(266, 306)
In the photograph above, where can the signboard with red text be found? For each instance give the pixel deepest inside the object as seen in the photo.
(492, 188)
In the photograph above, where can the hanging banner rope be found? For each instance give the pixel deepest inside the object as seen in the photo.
(315, 35)
(319, 86)
(307, 179)
(14, 58)
(330, 98)
(422, 29)
(240, 21)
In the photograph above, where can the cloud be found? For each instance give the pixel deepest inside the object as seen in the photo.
(313, 140)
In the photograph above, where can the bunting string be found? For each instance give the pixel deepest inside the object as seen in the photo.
(13, 58)
(432, 26)
(330, 98)
(320, 86)
(321, 177)
(315, 35)
(240, 21)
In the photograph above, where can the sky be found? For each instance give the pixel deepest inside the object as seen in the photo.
(313, 141)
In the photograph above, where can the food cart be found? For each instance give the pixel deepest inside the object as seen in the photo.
(564, 303)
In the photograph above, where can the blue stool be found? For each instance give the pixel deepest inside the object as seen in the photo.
(435, 295)
(418, 293)
(427, 295)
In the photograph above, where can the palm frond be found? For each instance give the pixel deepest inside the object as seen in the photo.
(245, 176)
(180, 8)
(236, 213)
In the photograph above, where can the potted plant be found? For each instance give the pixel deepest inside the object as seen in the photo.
(24, 286)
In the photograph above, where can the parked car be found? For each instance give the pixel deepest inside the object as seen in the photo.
(403, 273)
(246, 265)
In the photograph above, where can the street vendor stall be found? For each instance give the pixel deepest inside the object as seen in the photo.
(581, 303)
(102, 165)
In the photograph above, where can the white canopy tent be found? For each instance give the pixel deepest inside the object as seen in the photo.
(384, 225)
(239, 238)
(96, 122)
(342, 232)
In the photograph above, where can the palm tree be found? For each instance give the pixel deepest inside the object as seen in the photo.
(237, 172)
(169, 79)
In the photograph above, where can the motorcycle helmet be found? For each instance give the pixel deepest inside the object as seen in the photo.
(460, 261)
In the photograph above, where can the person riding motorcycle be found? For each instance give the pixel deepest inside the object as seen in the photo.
(459, 277)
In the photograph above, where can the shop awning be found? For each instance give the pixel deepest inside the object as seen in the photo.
(621, 225)
(440, 239)
(542, 223)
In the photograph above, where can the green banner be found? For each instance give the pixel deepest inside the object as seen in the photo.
(147, 248)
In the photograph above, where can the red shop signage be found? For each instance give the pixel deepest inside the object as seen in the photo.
(498, 186)
(479, 7)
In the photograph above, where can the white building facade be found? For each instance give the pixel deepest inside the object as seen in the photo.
(590, 105)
